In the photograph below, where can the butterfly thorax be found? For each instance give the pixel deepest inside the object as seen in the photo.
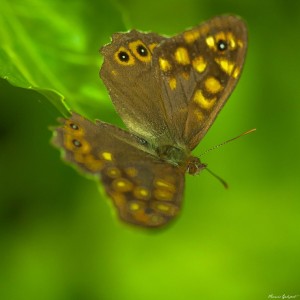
(172, 154)
(180, 157)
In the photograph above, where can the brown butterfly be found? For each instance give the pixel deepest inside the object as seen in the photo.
(168, 92)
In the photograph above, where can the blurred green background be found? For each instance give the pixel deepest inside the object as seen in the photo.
(58, 238)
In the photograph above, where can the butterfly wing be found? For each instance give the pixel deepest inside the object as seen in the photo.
(127, 72)
(145, 191)
(198, 70)
(170, 90)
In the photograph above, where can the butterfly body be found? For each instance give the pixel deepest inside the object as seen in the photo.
(168, 92)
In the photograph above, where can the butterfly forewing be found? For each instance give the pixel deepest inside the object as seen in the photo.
(127, 72)
(198, 70)
(171, 91)
(144, 190)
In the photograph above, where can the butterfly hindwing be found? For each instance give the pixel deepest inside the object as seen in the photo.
(144, 190)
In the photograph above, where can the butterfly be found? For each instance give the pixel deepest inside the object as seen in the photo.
(168, 92)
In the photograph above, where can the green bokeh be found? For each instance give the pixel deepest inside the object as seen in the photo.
(58, 238)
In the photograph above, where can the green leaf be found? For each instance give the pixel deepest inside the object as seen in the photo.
(55, 53)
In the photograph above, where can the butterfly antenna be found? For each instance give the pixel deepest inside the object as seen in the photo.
(226, 142)
(225, 184)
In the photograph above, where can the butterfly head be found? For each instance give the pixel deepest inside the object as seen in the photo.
(194, 165)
